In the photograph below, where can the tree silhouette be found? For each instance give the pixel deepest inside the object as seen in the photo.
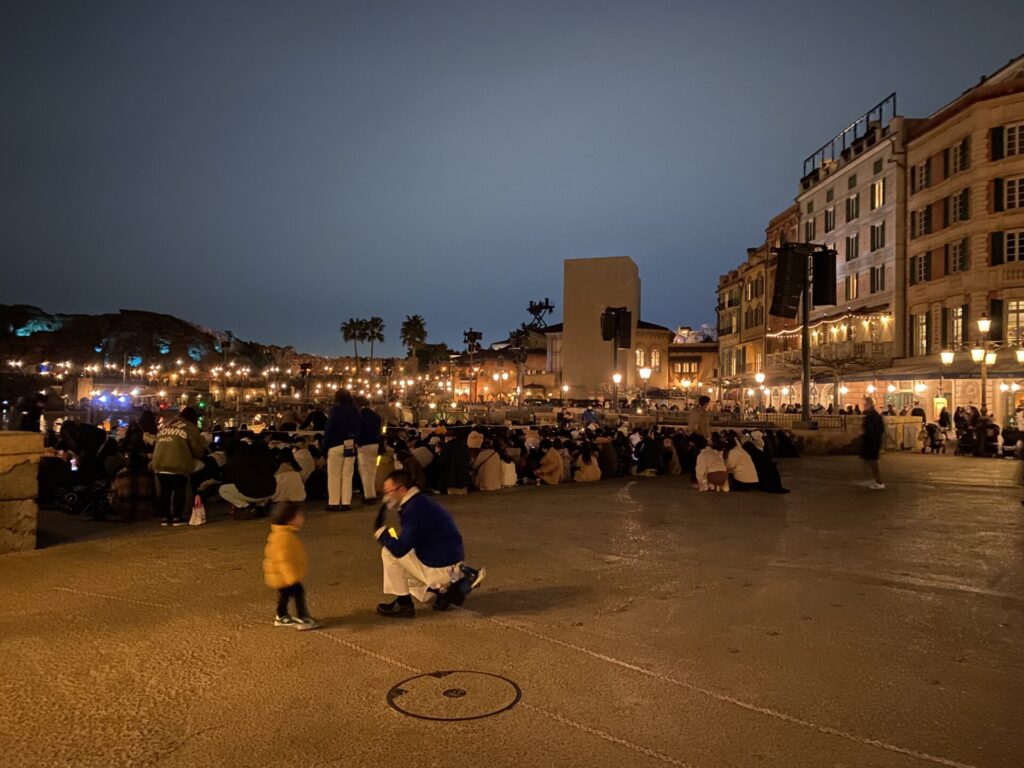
(374, 332)
(351, 330)
(413, 333)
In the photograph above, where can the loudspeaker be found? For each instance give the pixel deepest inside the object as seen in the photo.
(624, 330)
(789, 283)
(823, 290)
(608, 324)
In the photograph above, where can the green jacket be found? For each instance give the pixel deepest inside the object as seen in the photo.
(178, 445)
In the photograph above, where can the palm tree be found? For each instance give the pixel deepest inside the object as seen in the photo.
(414, 333)
(374, 333)
(351, 330)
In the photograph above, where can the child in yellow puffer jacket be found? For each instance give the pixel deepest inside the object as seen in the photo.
(284, 567)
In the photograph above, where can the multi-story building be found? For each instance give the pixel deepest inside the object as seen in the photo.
(966, 245)
(746, 331)
(852, 199)
(693, 362)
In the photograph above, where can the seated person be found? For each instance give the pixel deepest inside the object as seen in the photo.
(249, 478)
(711, 473)
(289, 487)
(133, 492)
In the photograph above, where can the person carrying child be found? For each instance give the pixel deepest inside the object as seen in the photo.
(284, 567)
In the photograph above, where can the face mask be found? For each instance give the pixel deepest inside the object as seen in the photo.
(392, 501)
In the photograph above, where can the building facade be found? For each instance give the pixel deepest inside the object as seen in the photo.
(965, 228)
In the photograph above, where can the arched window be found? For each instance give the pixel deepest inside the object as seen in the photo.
(656, 359)
(639, 357)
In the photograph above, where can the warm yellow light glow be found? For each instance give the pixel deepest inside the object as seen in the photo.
(947, 356)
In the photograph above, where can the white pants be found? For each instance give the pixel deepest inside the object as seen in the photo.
(408, 576)
(230, 493)
(339, 474)
(368, 470)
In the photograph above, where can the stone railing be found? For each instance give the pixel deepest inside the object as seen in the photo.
(19, 486)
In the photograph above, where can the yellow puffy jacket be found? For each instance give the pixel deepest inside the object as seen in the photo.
(284, 557)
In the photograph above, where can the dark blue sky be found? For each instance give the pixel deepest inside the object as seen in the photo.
(275, 168)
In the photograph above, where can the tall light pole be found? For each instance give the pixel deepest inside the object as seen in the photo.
(616, 379)
(759, 378)
(565, 394)
(984, 326)
(645, 374)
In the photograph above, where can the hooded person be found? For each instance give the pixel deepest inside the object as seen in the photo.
(179, 445)
(768, 478)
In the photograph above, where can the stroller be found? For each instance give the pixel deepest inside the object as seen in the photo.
(936, 442)
(966, 441)
(89, 502)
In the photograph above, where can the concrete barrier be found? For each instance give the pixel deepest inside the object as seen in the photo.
(19, 486)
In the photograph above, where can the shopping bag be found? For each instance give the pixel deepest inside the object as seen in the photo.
(198, 512)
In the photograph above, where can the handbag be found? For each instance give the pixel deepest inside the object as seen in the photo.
(198, 512)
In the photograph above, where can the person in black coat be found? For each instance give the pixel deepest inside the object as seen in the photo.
(249, 478)
(874, 432)
(453, 474)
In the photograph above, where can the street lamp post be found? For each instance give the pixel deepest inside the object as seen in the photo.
(616, 379)
(759, 378)
(565, 394)
(981, 354)
(645, 374)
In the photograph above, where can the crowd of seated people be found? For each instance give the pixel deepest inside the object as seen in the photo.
(156, 466)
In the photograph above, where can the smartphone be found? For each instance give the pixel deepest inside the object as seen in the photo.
(74, 465)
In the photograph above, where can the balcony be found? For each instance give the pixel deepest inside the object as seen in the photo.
(864, 354)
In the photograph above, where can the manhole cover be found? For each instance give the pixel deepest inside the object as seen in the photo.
(457, 695)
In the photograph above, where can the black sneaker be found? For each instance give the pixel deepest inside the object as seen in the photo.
(332, 508)
(396, 610)
(179, 521)
(369, 502)
(471, 579)
(442, 602)
(169, 523)
(306, 622)
(346, 507)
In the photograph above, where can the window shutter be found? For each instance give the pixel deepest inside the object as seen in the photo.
(928, 219)
(913, 224)
(913, 179)
(945, 163)
(965, 153)
(945, 259)
(945, 212)
(928, 332)
(997, 195)
(965, 203)
(913, 270)
(995, 252)
(995, 312)
(945, 327)
(996, 141)
(965, 317)
(965, 254)
(928, 266)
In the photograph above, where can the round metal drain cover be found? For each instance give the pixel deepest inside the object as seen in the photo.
(456, 695)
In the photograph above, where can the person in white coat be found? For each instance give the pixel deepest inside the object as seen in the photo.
(711, 472)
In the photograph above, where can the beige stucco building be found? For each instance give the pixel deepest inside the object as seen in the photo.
(966, 244)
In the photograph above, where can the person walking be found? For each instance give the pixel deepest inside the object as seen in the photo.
(179, 445)
(874, 432)
(700, 418)
(426, 557)
(284, 567)
(368, 442)
(339, 445)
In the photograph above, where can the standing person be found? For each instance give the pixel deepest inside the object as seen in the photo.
(339, 445)
(368, 441)
(284, 567)
(426, 557)
(700, 418)
(179, 445)
(874, 431)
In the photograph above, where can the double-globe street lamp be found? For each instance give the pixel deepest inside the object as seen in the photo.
(982, 354)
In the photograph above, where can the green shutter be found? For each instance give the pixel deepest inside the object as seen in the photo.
(945, 327)
(928, 266)
(996, 137)
(913, 224)
(965, 203)
(945, 163)
(945, 212)
(965, 254)
(965, 153)
(997, 195)
(995, 313)
(913, 271)
(965, 317)
(995, 251)
(913, 178)
(945, 259)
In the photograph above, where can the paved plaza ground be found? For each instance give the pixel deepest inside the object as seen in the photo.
(643, 623)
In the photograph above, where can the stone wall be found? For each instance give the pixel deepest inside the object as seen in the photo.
(19, 486)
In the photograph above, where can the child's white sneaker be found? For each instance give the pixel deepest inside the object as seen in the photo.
(306, 622)
(284, 621)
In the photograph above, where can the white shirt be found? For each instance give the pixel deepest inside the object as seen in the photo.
(741, 465)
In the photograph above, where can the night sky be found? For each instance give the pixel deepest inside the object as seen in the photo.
(276, 168)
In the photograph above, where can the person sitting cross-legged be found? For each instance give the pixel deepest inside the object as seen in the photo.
(426, 558)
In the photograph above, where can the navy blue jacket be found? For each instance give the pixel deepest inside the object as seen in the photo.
(342, 425)
(369, 427)
(429, 529)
